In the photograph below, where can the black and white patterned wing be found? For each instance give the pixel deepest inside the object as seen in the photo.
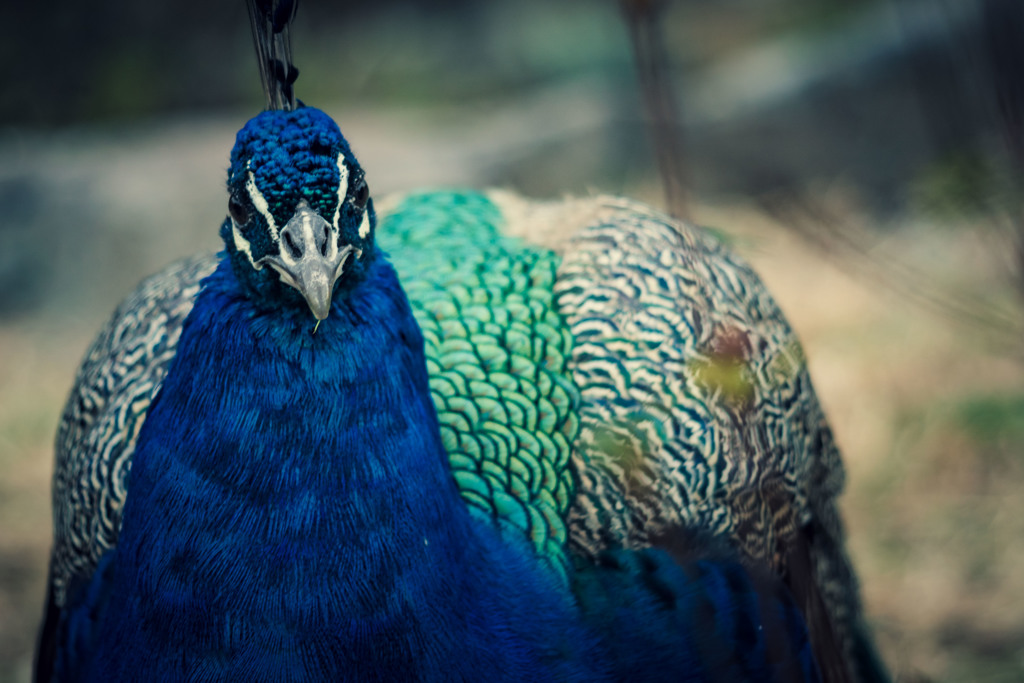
(696, 407)
(116, 383)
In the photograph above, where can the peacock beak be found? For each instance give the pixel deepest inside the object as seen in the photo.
(309, 258)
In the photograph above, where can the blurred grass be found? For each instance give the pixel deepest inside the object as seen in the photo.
(35, 366)
(994, 421)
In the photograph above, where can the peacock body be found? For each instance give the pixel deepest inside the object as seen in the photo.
(515, 440)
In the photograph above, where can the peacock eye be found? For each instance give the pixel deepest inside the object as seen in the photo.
(360, 194)
(237, 209)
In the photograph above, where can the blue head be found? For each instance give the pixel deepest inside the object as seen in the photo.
(300, 228)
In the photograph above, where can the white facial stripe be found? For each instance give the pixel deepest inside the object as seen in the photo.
(260, 202)
(342, 187)
(242, 245)
(364, 226)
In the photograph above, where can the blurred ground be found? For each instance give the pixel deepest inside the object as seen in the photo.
(928, 406)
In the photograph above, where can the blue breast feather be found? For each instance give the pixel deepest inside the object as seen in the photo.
(275, 543)
(292, 518)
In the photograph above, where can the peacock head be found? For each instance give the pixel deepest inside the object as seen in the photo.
(300, 222)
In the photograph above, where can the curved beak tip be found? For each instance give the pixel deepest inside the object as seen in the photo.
(317, 288)
(321, 313)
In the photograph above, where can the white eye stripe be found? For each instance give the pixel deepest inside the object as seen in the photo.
(259, 202)
(243, 245)
(364, 226)
(342, 188)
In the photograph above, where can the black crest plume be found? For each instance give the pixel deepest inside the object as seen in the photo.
(271, 20)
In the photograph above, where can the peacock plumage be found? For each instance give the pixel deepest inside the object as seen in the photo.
(515, 440)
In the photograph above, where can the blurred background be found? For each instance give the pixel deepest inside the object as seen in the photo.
(865, 155)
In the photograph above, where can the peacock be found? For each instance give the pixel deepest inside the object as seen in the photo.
(446, 435)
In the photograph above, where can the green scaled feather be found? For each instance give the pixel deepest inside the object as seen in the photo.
(497, 354)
